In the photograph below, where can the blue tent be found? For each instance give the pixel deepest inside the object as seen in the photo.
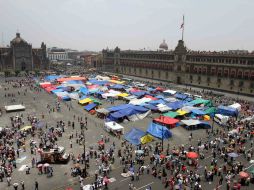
(134, 135)
(57, 90)
(52, 77)
(128, 111)
(84, 90)
(159, 131)
(205, 125)
(198, 112)
(139, 93)
(140, 109)
(89, 107)
(160, 97)
(151, 107)
(175, 105)
(119, 107)
(115, 116)
(74, 82)
(155, 102)
(66, 98)
(118, 86)
(228, 111)
(181, 96)
(188, 99)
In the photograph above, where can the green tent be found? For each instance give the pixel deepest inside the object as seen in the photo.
(96, 101)
(171, 114)
(201, 101)
(210, 110)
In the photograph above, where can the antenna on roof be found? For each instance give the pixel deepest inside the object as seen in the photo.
(2, 39)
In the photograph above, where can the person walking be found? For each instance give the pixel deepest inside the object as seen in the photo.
(36, 185)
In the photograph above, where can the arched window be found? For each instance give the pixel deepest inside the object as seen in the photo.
(232, 73)
(240, 74)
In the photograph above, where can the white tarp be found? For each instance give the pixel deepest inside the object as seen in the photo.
(74, 96)
(163, 108)
(99, 77)
(141, 116)
(111, 93)
(139, 101)
(14, 107)
(130, 97)
(236, 106)
(62, 94)
(113, 126)
(190, 122)
(169, 91)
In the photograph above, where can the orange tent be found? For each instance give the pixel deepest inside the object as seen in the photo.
(70, 78)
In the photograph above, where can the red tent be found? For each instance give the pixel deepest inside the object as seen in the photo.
(50, 88)
(159, 89)
(151, 97)
(167, 121)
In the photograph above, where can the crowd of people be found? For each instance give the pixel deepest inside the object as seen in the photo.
(215, 164)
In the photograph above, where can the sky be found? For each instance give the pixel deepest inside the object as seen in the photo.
(129, 24)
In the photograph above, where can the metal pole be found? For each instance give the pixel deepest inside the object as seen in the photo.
(162, 138)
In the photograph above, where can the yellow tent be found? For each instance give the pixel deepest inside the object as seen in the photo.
(123, 95)
(117, 81)
(85, 101)
(26, 128)
(181, 112)
(146, 139)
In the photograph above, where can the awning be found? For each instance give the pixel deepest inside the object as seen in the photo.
(89, 107)
(190, 122)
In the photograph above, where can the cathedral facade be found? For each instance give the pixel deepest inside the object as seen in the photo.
(231, 71)
(20, 56)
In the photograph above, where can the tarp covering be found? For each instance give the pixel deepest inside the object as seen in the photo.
(123, 95)
(236, 106)
(155, 102)
(190, 122)
(139, 101)
(210, 111)
(229, 111)
(114, 126)
(89, 107)
(146, 139)
(85, 101)
(201, 101)
(70, 78)
(118, 86)
(159, 131)
(169, 92)
(166, 120)
(103, 111)
(139, 116)
(52, 77)
(198, 112)
(84, 90)
(181, 112)
(134, 135)
(119, 107)
(181, 96)
(151, 107)
(175, 105)
(171, 114)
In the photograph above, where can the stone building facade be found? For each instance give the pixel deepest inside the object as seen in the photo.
(231, 71)
(20, 56)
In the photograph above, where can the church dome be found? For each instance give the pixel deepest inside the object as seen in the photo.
(163, 45)
(18, 39)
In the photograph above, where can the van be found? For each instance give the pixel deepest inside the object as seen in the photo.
(221, 119)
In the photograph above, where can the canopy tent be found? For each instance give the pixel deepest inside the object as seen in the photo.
(74, 95)
(45, 84)
(151, 97)
(113, 126)
(115, 116)
(134, 135)
(146, 139)
(181, 112)
(236, 106)
(117, 81)
(118, 86)
(119, 107)
(123, 95)
(139, 93)
(175, 105)
(198, 112)
(85, 101)
(97, 82)
(210, 111)
(163, 108)
(84, 90)
(171, 114)
(159, 131)
(99, 77)
(103, 111)
(52, 77)
(129, 98)
(111, 93)
(171, 92)
(166, 120)
(190, 122)
(73, 82)
(95, 101)
(70, 78)
(89, 107)
(201, 101)
(228, 111)
(155, 102)
(151, 107)
(160, 97)
(181, 96)
(139, 101)
(18, 107)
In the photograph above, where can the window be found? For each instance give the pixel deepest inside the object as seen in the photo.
(191, 77)
(166, 74)
(241, 83)
(208, 79)
(199, 78)
(218, 80)
(231, 82)
(159, 74)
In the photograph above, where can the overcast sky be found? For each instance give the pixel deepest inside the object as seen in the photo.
(130, 24)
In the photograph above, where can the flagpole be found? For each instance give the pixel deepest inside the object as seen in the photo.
(183, 28)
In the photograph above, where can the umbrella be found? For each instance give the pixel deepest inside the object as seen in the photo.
(26, 128)
(162, 156)
(192, 155)
(105, 180)
(39, 165)
(46, 165)
(243, 174)
(233, 155)
(101, 143)
(251, 170)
